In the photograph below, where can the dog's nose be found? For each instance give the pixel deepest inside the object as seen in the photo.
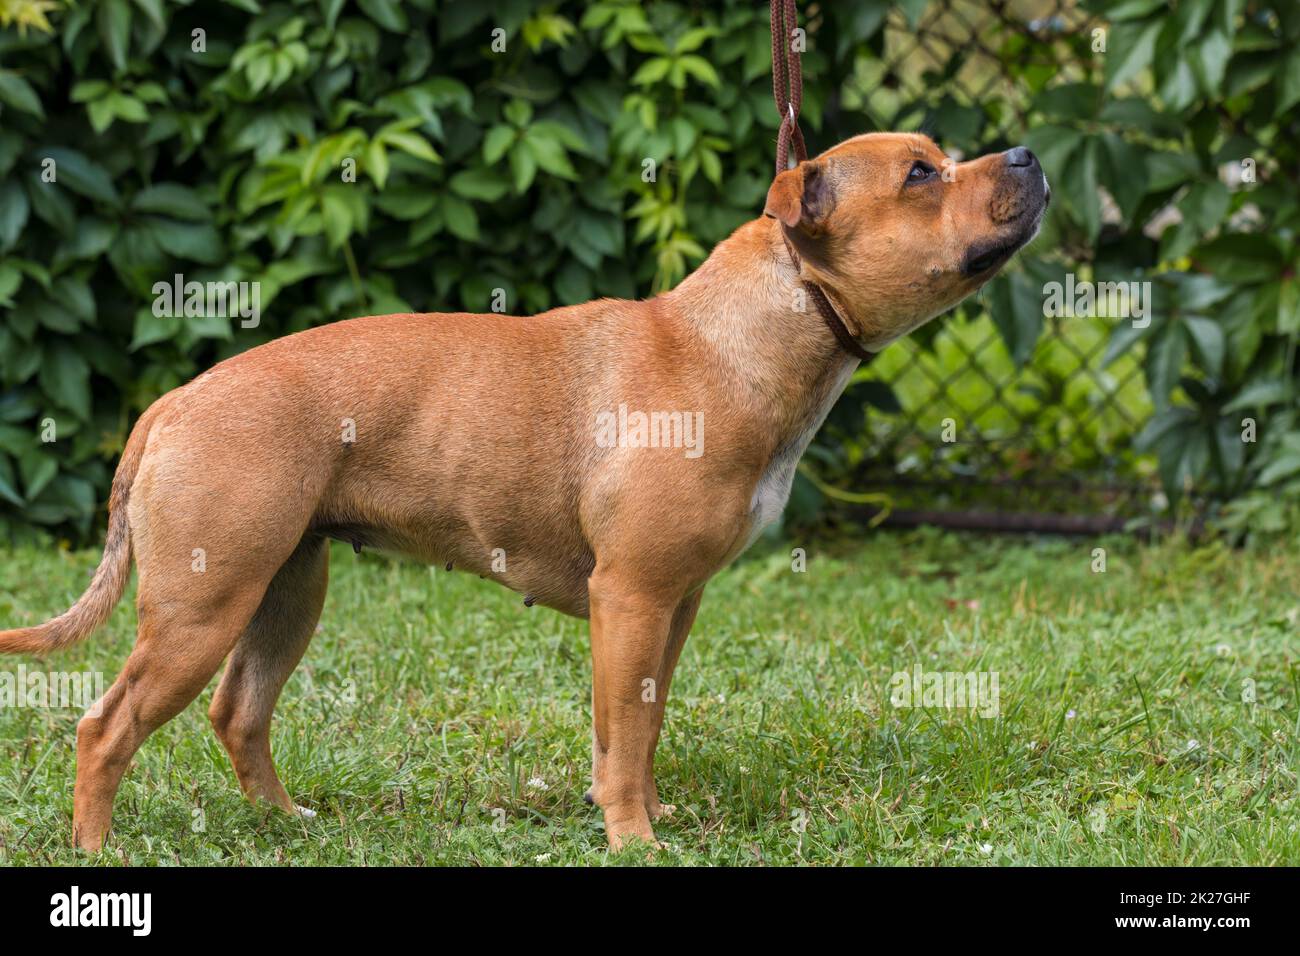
(1019, 156)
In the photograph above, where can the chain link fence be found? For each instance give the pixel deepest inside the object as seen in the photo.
(979, 437)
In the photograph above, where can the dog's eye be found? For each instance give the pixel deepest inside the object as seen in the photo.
(920, 172)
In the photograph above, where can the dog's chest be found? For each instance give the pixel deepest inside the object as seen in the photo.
(773, 488)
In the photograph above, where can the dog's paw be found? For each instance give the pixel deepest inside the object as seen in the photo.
(627, 824)
(663, 810)
(621, 842)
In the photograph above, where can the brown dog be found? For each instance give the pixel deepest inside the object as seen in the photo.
(561, 454)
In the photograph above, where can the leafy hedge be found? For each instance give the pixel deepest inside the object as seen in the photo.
(211, 140)
(1174, 156)
(1210, 125)
(601, 151)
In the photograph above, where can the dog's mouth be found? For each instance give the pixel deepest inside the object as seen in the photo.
(986, 256)
(989, 255)
(992, 254)
(1020, 208)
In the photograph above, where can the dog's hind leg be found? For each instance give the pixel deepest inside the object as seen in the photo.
(268, 651)
(184, 634)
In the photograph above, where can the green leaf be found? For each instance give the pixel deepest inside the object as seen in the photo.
(150, 328)
(10, 281)
(1196, 293)
(1288, 307)
(878, 394)
(1054, 146)
(1186, 23)
(1178, 91)
(573, 283)
(38, 469)
(14, 210)
(1261, 394)
(88, 90)
(90, 238)
(128, 108)
(1164, 364)
(330, 10)
(1124, 173)
(1081, 181)
(549, 155)
(101, 114)
(377, 162)
(701, 69)
(412, 144)
(1205, 205)
(518, 112)
(1288, 92)
(1241, 257)
(652, 71)
(1283, 466)
(172, 199)
(1207, 342)
(1209, 59)
(199, 242)
(153, 9)
(692, 40)
(75, 295)
(498, 140)
(1133, 9)
(65, 378)
(1171, 433)
(1069, 101)
(18, 93)
(1168, 169)
(387, 13)
(11, 145)
(49, 314)
(523, 167)
(9, 484)
(460, 218)
(114, 21)
(1230, 450)
(1016, 307)
(1131, 48)
(484, 184)
(406, 201)
(73, 170)
(338, 218)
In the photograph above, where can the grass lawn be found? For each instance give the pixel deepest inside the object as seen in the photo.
(436, 720)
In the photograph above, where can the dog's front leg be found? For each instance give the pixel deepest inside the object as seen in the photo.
(677, 634)
(630, 629)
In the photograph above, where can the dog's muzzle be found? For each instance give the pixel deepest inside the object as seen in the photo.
(1018, 203)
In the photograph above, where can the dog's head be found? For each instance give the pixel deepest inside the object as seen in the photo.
(898, 233)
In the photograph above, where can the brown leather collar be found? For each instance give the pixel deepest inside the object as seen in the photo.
(827, 310)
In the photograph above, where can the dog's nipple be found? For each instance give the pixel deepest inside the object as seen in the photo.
(528, 600)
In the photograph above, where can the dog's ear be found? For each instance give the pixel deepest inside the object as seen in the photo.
(801, 197)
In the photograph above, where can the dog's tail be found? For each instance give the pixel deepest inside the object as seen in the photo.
(93, 607)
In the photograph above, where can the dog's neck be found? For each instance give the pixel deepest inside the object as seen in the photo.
(774, 352)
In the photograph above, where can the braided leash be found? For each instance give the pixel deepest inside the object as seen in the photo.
(787, 91)
(787, 83)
